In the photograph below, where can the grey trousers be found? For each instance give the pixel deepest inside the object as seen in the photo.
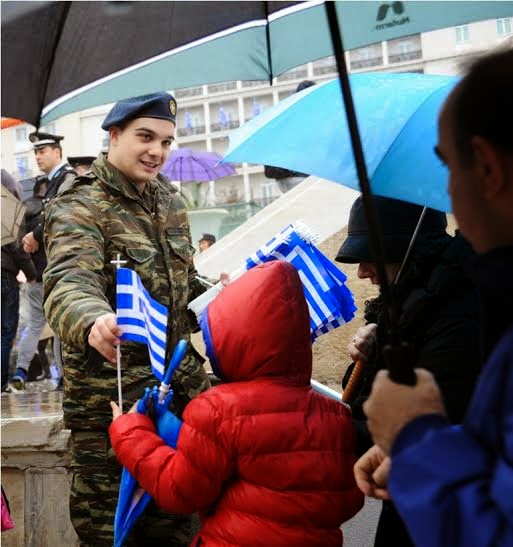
(35, 324)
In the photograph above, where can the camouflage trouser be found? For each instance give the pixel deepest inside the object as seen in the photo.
(94, 496)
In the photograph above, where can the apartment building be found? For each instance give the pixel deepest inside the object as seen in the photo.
(207, 113)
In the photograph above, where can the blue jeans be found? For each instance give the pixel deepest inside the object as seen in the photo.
(10, 308)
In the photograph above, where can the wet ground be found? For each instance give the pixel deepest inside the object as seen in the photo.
(38, 400)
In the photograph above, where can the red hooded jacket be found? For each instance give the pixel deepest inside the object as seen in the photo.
(264, 459)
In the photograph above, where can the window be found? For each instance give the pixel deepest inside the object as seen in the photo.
(504, 26)
(21, 134)
(22, 167)
(462, 34)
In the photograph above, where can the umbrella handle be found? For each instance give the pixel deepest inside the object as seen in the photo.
(354, 383)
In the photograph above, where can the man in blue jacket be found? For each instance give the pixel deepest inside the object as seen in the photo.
(453, 485)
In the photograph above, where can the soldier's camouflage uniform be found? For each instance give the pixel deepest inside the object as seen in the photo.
(93, 219)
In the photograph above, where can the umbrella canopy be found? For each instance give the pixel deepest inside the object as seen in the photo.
(10, 122)
(187, 165)
(182, 44)
(12, 216)
(397, 116)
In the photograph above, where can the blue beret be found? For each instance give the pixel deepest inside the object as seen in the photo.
(156, 105)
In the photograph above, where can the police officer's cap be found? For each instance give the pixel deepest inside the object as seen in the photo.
(39, 139)
(156, 105)
(208, 237)
(75, 161)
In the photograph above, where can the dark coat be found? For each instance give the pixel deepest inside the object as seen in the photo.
(439, 317)
(14, 259)
(452, 484)
(44, 191)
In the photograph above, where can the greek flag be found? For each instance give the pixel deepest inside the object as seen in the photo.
(330, 302)
(141, 318)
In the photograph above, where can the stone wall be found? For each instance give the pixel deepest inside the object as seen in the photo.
(35, 456)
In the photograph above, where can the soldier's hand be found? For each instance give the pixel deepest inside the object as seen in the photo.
(104, 336)
(363, 343)
(30, 244)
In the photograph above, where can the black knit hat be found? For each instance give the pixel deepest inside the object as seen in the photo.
(397, 221)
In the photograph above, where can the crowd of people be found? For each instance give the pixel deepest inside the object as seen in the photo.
(262, 459)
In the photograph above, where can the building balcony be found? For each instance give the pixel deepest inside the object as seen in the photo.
(220, 88)
(188, 92)
(366, 63)
(187, 131)
(255, 83)
(404, 56)
(232, 124)
(300, 74)
(326, 69)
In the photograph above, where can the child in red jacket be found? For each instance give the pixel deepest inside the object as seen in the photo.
(263, 458)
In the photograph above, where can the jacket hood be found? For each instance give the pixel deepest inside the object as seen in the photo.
(259, 326)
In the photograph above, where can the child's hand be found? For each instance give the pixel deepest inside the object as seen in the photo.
(116, 411)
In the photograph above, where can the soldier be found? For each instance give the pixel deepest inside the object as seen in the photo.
(48, 152)
(123, 205)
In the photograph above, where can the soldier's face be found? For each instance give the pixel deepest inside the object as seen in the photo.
(140, 149)
(47, 158)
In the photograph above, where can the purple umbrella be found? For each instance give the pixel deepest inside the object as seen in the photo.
(185, 165)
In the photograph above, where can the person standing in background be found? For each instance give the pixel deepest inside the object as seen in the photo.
(48, 152)
(14, 259)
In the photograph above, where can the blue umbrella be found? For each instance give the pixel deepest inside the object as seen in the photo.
(397, 113)
(132, 499)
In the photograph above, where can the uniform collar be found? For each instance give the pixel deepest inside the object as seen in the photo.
(54, 171)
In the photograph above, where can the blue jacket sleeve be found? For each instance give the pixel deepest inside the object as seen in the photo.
(451, 486)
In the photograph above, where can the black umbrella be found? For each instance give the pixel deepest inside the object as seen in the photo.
(61, 57)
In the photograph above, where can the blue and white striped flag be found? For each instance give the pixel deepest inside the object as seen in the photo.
(330, 302)
(141, 318)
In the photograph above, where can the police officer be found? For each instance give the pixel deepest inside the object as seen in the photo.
(48, 152)
(206, 241)
(122, 206)
(81, 164)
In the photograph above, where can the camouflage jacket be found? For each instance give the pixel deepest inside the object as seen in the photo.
(91, 220)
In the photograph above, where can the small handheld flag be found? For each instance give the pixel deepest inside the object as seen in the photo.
(118, 262)
(141, 318)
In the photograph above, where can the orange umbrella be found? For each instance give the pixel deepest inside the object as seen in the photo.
(10, 122)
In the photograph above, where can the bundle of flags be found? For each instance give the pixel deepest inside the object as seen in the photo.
(330, 302)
